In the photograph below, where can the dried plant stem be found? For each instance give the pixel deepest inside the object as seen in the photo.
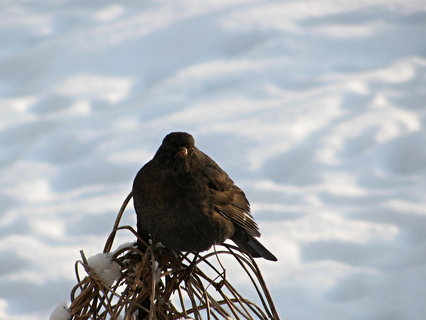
(164, 284)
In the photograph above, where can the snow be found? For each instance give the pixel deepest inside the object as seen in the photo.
(60, 313)
(316, 109)
(107, 269)
(123, 246)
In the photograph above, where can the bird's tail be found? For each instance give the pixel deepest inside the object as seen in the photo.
(252, 246)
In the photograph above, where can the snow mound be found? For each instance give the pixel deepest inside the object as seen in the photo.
(105, 268)
(60, 313)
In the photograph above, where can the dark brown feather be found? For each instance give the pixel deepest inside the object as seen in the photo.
(186, 201)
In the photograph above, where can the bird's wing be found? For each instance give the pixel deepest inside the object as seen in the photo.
(228, 199)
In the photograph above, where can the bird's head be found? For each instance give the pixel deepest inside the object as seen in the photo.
(176, 150)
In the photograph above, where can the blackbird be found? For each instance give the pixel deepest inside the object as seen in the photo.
(184, 200)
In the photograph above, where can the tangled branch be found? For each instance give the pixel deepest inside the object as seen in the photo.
(155, 283)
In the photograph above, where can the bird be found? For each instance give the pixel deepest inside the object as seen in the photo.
(187, 202)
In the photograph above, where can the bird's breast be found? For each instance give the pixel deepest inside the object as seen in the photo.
(179, 212)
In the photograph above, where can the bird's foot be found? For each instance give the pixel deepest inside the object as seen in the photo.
(186, 272)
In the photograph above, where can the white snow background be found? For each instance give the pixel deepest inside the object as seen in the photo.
(317, 109)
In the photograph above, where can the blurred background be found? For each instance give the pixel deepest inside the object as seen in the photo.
(316, 109)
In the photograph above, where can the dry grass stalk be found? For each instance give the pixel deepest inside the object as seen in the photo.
(157, 283)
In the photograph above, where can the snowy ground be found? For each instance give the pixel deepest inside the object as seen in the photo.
(316, 109)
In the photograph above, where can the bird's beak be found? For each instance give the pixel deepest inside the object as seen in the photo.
(183, 152)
